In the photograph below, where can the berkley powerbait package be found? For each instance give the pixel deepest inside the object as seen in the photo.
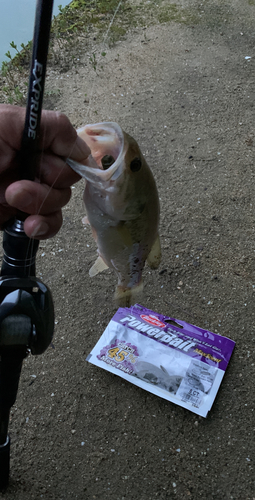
(166, 356)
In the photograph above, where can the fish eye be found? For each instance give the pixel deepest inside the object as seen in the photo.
(135, 164)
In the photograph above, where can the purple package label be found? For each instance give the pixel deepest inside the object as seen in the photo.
(165, 356)
(194, 341)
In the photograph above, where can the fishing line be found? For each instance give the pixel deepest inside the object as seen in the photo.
(57, 177)
(100, 56)
(89, 109)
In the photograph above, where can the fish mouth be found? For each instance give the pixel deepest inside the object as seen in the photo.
(106, 142)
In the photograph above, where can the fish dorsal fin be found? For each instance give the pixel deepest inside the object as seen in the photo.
(97, 267)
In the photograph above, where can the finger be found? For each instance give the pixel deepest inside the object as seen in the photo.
(54, 171)
(34, 198)
(43, 227)
(58, 134)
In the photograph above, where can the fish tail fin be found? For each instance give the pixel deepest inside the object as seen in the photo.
(97, 267)
(124, 297)
(154, 257)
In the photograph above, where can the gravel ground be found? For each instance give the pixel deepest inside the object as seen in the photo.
(185, 91)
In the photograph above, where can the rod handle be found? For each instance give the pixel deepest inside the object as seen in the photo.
(4, 464)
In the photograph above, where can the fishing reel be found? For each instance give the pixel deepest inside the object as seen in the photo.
(26, 314)
(26, 305)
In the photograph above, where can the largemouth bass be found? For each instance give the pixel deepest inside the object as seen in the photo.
(122, 206)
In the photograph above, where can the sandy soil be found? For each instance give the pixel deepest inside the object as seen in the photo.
(186, 93)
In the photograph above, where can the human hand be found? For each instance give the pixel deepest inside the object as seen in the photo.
(43, 198)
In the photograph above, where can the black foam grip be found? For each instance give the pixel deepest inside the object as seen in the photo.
(4, 464)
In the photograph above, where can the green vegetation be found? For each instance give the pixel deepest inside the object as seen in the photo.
(12, 72)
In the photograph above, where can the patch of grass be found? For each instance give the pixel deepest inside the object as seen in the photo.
(117, 32)
(146, 13)
(52, 92)
(12, 76)
(80, 14)
(171, 13)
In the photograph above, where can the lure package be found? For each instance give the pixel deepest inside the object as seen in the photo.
(165, 356)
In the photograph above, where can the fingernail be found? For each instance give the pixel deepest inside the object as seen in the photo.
(82, 147)
(40, 230)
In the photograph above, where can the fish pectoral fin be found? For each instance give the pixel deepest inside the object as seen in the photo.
(97, 267)
(154, 257)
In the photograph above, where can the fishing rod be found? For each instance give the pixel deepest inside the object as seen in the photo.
(26, 305)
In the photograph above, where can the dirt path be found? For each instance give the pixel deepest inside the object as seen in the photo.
(185, 91)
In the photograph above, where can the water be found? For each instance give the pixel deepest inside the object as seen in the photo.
(17, 23)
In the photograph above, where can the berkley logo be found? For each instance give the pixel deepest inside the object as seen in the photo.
(153, 320)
